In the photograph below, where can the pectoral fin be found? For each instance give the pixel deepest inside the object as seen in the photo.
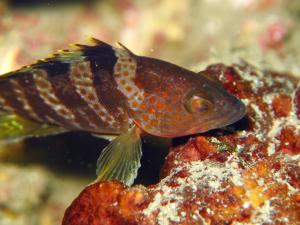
(120, 160)
(13, 127)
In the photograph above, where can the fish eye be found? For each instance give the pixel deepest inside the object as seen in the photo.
(197, 104)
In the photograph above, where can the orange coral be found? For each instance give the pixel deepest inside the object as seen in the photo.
(282, 105)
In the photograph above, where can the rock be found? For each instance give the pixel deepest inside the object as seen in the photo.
(22, 192)
(246, 174)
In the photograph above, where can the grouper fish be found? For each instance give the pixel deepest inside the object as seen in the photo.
(107, 90)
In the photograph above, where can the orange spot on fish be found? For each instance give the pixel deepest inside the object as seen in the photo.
(146, 94)
(134, 104)
(143, 105)
(160, 105)
(145, 117)
(151, 110)
(128, 88)
(123, 82)
(164, 94)
(125, 73)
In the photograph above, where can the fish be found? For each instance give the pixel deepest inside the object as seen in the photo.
(110, 91)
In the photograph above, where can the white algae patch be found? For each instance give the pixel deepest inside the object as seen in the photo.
(212, 174)
(263, 214)
(203, 175)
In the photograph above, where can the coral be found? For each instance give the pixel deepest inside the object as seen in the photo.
(245, 174)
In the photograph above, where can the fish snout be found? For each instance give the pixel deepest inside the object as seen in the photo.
(232, 112)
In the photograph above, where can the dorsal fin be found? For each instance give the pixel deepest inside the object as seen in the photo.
(99, 53)
(126, 49)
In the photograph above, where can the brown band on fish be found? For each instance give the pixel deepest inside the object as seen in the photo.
(67, 94)
(111, 98)
(20, 96)
(82, 78)
(4, 105)
(46, 92)
(124, 72)
(10, 100)
(43, 110)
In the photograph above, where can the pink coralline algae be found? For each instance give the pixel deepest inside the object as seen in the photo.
(248, 173)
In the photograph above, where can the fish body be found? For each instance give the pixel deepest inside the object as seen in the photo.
(106, 90)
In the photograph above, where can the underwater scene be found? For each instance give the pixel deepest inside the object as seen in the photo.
(149, 112)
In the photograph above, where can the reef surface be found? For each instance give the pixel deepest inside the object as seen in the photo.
(248, 173)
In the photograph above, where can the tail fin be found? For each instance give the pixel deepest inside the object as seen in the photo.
(13, 127)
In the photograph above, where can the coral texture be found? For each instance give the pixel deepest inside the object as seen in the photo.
(246, 174)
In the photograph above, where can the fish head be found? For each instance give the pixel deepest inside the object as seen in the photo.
(177, 102)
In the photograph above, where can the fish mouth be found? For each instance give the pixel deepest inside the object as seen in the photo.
(235, 112)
